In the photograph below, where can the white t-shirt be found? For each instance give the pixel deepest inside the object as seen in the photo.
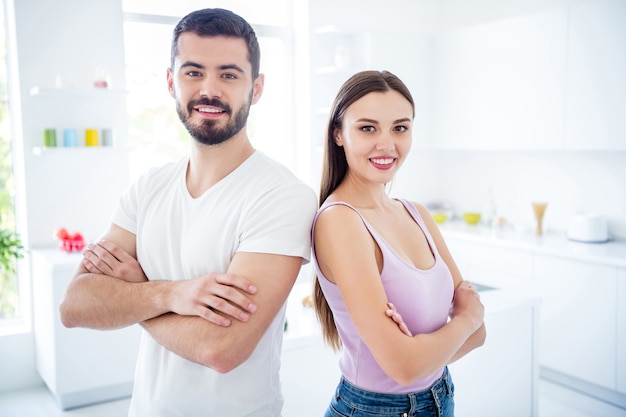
(259, 207)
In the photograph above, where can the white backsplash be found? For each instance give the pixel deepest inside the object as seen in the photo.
(569, 181)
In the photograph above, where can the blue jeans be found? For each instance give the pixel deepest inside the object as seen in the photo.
(436, 401)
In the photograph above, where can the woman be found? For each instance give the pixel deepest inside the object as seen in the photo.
(378, 257)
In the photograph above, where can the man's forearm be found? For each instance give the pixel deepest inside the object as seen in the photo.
(103, 302)
(201, 341)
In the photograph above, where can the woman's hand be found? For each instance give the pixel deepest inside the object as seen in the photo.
(107, 258)
(393, 314)
(467, 304)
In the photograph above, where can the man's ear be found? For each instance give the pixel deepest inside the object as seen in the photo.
(257, 88)
(170, 83)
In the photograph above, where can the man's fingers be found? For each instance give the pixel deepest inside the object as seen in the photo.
(236, 281)
(118, 253)
(91, 267)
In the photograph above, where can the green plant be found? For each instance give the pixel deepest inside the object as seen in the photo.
(11, 250)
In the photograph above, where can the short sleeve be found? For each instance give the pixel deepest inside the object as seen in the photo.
(280, 222)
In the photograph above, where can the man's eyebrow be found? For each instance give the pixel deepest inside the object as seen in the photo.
(224, 67)
(232, 67)
(192, 64)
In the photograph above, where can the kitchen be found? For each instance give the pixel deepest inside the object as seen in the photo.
(517, 102)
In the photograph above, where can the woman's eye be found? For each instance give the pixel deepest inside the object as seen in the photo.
(367, 128)
(401, 128)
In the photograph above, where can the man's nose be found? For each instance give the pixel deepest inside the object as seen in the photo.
(210, 88)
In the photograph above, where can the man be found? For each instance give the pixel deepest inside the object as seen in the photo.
(202, 253)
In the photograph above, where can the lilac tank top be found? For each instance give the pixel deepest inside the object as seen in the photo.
(422, 296)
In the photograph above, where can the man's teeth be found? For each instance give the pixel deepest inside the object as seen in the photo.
(382, 161)
(203, 110)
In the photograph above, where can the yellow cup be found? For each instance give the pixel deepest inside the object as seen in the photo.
(91, 137)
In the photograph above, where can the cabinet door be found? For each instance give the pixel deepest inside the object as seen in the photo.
(492, 265)
(505, 365)
(309, 374)
(621, 330)
(500, 85)
(578, 319)
(596, 85)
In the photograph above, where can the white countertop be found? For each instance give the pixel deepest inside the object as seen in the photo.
(612, 253)
(57, 257)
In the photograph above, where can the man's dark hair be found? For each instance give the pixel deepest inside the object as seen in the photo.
(219, 22)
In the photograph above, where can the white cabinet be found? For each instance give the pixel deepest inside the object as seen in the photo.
(79, 366)
(578, 318)
(506, 364)
(309, 374)
(596, 85)
(621, 330)
(492, 265)
(500, 84)
(551, 79)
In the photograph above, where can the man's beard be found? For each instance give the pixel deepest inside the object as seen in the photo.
(207, 133)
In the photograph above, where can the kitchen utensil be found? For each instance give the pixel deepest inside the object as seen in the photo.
(539, 209)
(588, 227)
(471, 218)
(440, 218)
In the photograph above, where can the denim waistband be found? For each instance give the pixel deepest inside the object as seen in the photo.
(368, 400)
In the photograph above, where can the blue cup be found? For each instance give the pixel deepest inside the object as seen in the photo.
(70, 137)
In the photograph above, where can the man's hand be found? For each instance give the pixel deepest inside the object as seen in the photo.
(214, 297)
(106, 258)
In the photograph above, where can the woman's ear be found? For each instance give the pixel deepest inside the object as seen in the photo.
(337, 136)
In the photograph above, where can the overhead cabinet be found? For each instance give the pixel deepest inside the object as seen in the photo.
(500, 85)
(595, 102)
(548, 80)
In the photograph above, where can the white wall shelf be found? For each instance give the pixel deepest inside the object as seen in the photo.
(77, 150)
(37, 91)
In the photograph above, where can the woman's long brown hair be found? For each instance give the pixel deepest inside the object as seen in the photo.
(335, 167)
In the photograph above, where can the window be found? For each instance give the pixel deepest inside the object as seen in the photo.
(9, 283)
(155, 133)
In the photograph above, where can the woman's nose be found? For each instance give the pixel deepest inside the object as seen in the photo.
(385, 144)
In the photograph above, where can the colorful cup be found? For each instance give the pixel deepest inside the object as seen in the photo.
(91, 137)
(50, 137)
(70, 137)
(107, 137)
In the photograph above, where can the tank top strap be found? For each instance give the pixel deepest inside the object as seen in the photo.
(378, 238)
(420, 221)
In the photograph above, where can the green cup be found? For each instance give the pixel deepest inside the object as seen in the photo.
(50, 137)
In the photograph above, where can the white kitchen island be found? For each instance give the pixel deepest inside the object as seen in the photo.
(79, 366)
(499, 379)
